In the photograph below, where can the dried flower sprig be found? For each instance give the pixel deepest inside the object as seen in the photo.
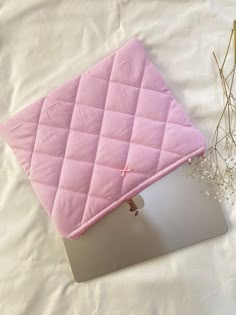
(218, 164)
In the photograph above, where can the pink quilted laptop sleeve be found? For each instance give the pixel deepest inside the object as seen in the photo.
(100, 138)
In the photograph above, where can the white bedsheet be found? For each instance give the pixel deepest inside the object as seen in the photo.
(45, 42)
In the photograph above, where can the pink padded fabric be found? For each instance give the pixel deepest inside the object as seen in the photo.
(100, 138)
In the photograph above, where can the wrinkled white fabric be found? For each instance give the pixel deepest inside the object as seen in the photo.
(43, 43)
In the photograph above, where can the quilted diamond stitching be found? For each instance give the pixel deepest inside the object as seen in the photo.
(69, 129)
(66, 189)
(35, 138)
(75, 104)
(99, 164)
(65, 150)
(127, 84)
(163, 138)
(98, 139)
(132, 128)
(76, 130)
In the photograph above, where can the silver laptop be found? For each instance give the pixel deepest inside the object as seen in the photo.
(174, 214)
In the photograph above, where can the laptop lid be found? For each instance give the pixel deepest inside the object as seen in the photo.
(175, 214)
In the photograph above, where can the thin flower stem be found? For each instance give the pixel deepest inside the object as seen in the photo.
(229, 74)
(227, 95)
(227, 50)
(234, 41)
(221, 157)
